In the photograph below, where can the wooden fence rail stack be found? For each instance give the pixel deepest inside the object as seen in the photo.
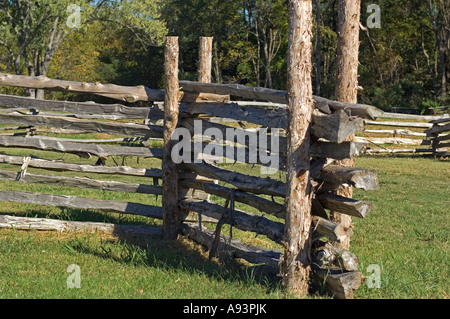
(196, 194)
(404, 133)
(332, 124)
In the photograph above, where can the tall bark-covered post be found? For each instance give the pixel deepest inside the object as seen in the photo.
(349, 13)
(205, 58)
(171, 111)
(318, 50)
(295, 264)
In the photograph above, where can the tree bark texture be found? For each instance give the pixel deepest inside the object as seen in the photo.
(349, 13)
(295, 264)
(170, 170)
(205, 57)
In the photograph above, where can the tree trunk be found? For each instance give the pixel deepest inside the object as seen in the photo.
(295, 264)
(268, 59)
(442, 53)
(349, 12)
(318, 50)
(216, 65)
(170, 170)
(205, 57)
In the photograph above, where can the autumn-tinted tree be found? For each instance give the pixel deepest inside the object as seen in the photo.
(33, 30)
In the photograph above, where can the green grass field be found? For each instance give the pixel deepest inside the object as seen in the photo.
(406, 236)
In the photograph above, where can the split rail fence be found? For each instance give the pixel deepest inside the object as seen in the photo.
(202, 186)
(397, 133)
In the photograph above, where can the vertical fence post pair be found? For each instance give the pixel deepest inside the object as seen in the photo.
(294, 266)
(170, 207)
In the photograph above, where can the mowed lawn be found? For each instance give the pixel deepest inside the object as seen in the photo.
(406, 236)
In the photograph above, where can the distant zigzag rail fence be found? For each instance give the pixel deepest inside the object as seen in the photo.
(333, 123)
(397, 133)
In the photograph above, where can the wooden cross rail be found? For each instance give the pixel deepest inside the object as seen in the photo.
(43, 224)
(142, 93)
(119, 111)
(61, 166)
(127, 129)
(81, 149)
(82, 203)
(276, 96)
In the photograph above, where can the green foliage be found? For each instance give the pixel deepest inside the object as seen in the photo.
(395, 70)
(121, 41)
(428, 104)
(34, 30)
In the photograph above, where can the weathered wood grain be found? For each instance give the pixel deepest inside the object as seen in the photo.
(126, 129)
(343, 205)
(119, 111)
(400, 124)
(361, 110)
(60, 166)
(142, 93)
(122, 93)
(257, 202)
(93, 141)
(431, 118)
(237, 90)
(205, 59)
(276, 96)
(237, 218)
(81, 149)
(230, 135)
(333, 231)
(235, 247)
(340, 285)
(83, 183)
(295, 262)
(171, 114)
(356, 177)
(82, 203)
(338, 151)
(392, 140)
(64, 226)
(252, 184)
(395, 151)
(111, 186)
(401, 132)
(336, 127)
(328, 256)
(274, 118)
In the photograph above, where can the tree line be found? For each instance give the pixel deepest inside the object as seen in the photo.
(404, 51)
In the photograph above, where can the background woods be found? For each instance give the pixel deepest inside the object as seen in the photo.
(404, 63)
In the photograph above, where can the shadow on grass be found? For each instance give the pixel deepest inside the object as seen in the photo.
(181, 255)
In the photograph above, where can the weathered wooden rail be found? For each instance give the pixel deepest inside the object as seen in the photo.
(186, 187)
(430, 133)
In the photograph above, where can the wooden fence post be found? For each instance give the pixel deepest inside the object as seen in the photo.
(205, 58)
(205, 66)
(349, 12)
(171, 112)
(295, 264)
